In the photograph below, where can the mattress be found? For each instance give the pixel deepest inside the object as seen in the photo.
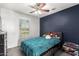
(37, 46)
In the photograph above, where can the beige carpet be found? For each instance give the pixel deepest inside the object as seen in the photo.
(15, 52)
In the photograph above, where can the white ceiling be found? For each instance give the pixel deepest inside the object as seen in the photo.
(24, 7)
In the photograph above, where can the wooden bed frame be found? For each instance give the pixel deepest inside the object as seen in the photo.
(52, 50)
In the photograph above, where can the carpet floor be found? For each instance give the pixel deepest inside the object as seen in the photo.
(17, 52)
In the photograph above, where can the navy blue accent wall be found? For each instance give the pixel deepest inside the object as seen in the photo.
(66, 21)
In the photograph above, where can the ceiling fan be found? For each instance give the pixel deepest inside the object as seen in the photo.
(39, 7)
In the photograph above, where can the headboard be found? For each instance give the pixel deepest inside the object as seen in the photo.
(59, 34)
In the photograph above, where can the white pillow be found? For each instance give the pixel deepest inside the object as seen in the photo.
(48, 37)
(57, 37)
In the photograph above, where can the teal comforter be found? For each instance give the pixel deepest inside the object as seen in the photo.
(37, 46)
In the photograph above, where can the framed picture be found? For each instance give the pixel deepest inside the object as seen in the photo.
(24, 28)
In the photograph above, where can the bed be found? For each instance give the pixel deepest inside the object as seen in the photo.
(39, 46)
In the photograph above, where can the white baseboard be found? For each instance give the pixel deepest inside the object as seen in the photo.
(12, 46)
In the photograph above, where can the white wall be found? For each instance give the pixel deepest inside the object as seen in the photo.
(10, 24)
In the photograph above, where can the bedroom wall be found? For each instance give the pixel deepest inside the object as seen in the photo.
(66, 21)
(10, 24)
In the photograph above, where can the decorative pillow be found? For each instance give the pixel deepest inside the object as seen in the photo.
(44, 35)
(57, 37)
(52, 34)
(48, 37)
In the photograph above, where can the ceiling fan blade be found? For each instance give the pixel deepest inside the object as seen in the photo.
(33, 7)
(41, 5)
(44, 10)
(53, 8)
(32, 12)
